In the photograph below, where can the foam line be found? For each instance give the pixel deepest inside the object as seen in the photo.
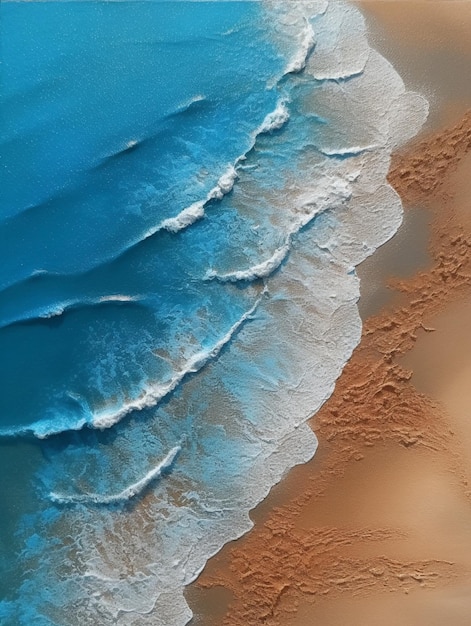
(348, 152)
(184, 219)
(154, 393)
(47, 313)
(262, 270)
(298, 63)
(275, 120)
(185, 106)
(126, 494)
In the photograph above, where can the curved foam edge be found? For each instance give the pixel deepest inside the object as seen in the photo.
(60, 308)
(275, 120)
(298, 63)
(262, 270)
(184, 219)
(154, 393)
(126, 494)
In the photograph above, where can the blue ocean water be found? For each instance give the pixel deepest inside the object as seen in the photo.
(182, 207)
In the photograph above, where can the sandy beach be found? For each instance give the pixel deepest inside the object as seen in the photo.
(376, 529)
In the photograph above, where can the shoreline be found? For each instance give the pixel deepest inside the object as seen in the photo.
(339, 544)
(340, 531)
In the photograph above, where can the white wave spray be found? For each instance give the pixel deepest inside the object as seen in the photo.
(126, 494)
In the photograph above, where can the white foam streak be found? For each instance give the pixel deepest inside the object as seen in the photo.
(153, 394)
(351, 151)
(126, 494)
(57, 312)
(276, 119)
(225, 184)
(119, 298)
(188, 103)
(298, 63)
(261, 270)
(186, 218)
(59, 309)
(72, 304)
(195, 211)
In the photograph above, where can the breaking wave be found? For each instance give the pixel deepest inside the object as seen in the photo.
(126, 494)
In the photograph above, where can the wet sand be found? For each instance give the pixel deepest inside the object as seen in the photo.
(376, 529)
(429, 44)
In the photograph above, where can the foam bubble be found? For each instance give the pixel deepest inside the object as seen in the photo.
(186, 218)
(262, 270)
(276, 119)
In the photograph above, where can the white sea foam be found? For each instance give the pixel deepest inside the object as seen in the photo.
(350, 151)
(59, 308)
(106, 418)
(308, 40)
(190, 102)
(118, 297)
(260, 270)
(56, 312)
(42, 429)
(275, 120)
(295, 20)
(126, 494)
(184, 219)
(225, 184)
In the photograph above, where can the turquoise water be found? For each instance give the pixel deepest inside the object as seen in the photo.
(181, 212)
(82, 83)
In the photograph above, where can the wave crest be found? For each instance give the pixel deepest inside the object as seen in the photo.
(126, 494)
(262, 270)
(154, 393)
(276, 119)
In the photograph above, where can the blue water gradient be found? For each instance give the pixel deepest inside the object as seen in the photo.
(185, 85)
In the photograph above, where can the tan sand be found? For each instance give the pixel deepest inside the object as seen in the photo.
(376, 529)
(429, 43)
